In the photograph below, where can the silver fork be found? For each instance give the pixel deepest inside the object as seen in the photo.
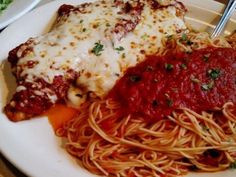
(228, 12)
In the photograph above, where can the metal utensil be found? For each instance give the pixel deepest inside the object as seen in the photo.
(228, 12)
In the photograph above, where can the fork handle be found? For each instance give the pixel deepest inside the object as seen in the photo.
(228, 12)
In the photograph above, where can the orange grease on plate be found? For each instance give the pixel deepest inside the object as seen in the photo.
(59, 114)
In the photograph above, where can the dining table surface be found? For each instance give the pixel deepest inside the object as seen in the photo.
(7, 169)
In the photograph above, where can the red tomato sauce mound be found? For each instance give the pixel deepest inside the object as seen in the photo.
(202, 80)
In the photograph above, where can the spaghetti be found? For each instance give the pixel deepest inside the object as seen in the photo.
(112, 145)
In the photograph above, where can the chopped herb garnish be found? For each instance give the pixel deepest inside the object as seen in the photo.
(205, 87)
(206, 57)
(183, 66)
(184, 37)
(214, 73)
(97, 49)
(208, 86)
(205, 128)
(169, 67)
(117, 74)
(84, 29)
(108, 24)
(194, 79)
(211, 85)
(145, 36)
(169, 37)
(81, 21)
(169, 102)
(123, 55)
(134, 78)
(233, 165)
(188, 52)
(120, 48)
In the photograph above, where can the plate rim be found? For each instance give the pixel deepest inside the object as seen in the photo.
(16, 16)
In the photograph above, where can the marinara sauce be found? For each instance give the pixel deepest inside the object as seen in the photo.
(201, 80)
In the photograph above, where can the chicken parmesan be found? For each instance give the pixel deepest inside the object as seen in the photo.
(87, 50)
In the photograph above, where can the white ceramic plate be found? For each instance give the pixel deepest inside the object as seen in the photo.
(31, 145)
(15, 10)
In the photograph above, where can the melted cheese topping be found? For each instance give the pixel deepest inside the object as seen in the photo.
(71, 43)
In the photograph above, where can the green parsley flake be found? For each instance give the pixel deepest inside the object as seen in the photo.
(123, 55)
(145, 36)
(233, 165)
(120, 48)
(189, 52)
(214, 73)
(184, 37)
(205, 128)
(183, 66)
(169, 67)
(4, 4)
(208, 86)
(194, 79)
(169, 102)
(206, 57)
(169, 37)
(98, 48)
